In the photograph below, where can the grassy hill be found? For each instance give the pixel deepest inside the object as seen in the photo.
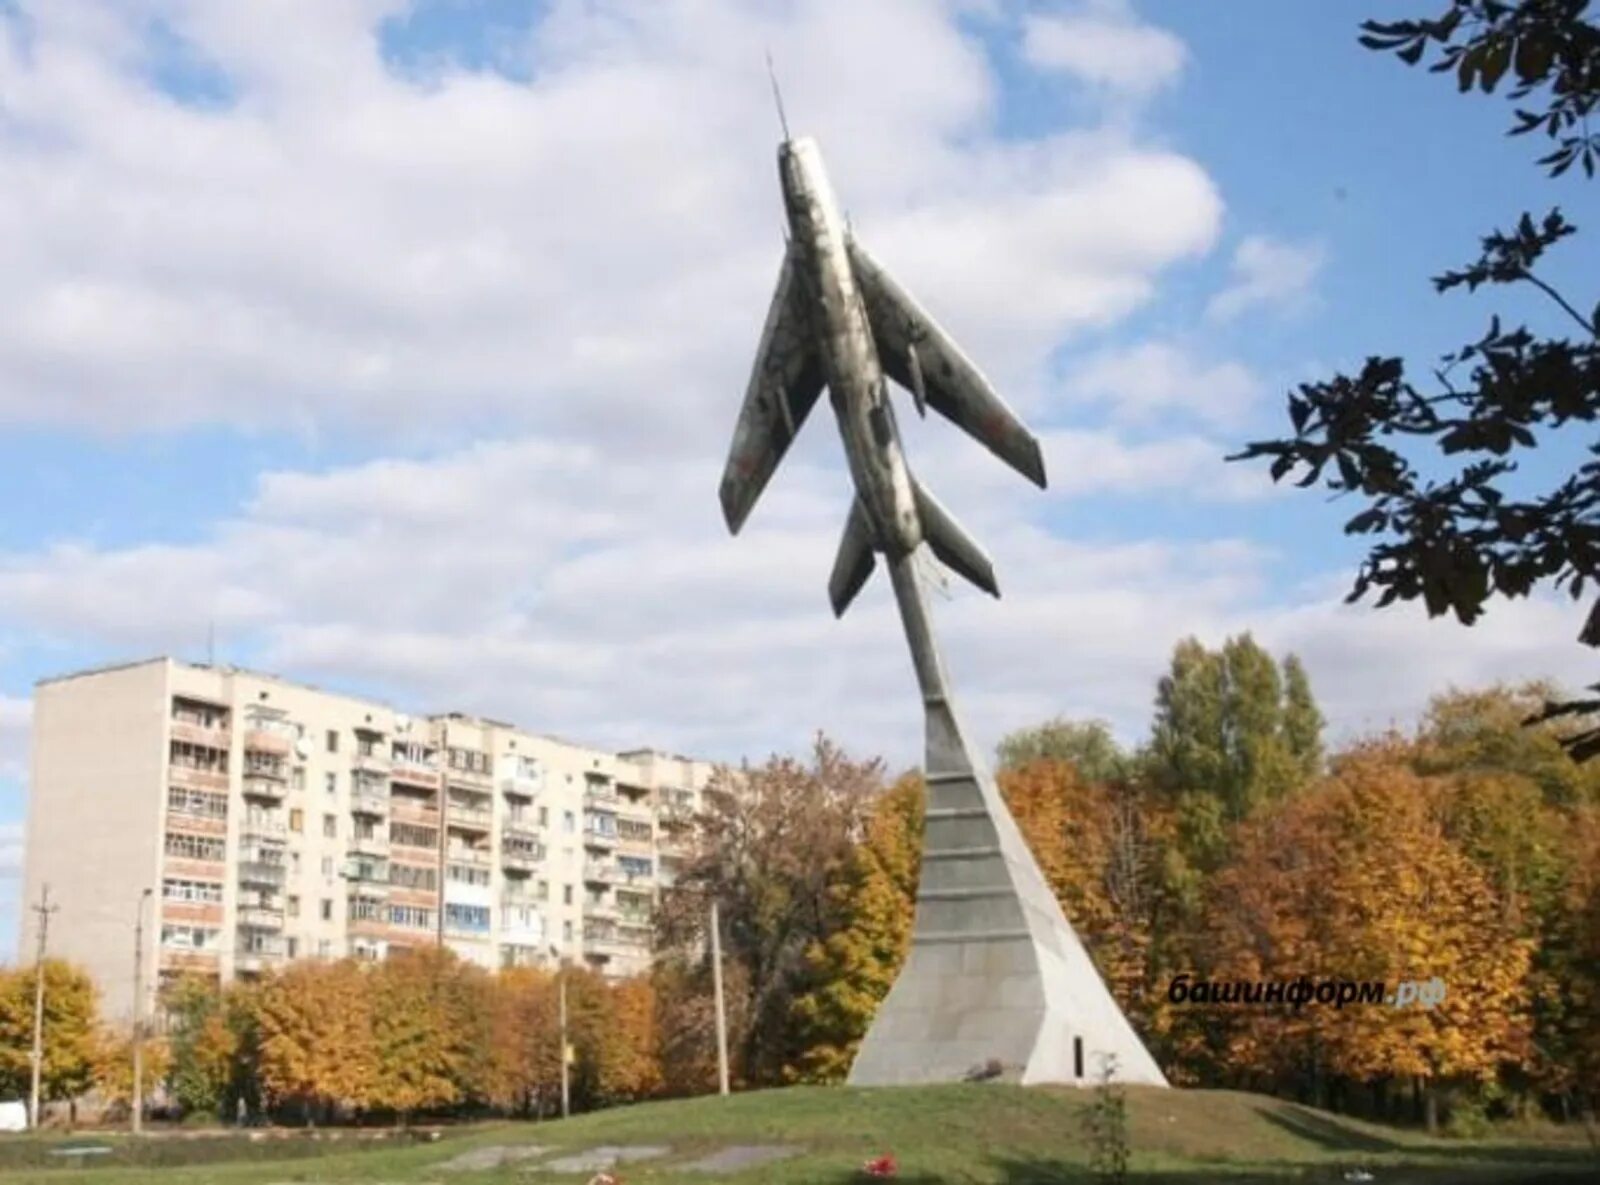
(973, 1134)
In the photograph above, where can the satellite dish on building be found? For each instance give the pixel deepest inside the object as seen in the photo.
(302, 748)
(402, 723)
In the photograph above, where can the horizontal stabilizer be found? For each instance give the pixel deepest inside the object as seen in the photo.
(925, 360)
(854, 562)
(783, 387)
(954, 547)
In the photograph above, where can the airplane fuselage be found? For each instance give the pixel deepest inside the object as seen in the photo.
(856, 384)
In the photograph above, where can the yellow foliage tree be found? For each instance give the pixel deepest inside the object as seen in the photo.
(853, 968)
(114, 1072)
(316, 1038)
(71, 1035)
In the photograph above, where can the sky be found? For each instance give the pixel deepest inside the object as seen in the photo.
(395, 346)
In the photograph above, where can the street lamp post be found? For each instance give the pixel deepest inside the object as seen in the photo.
(561, 1005)
(137, 1117)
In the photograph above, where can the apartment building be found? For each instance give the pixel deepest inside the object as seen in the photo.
(274, 821)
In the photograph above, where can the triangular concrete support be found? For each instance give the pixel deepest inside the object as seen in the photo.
(996, 977)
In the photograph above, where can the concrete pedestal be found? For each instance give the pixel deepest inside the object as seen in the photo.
(996, 975)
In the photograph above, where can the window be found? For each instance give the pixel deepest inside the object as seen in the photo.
(330, 826)
(568, 823)
(297, 778)
(466, 874)
(1077, 1057)
(543, 892)
(297, 819)
(544, 816)
(474, 918)
(413, 836)
(291, 947)
(633, 868)
(293, 906)
(196, 847)
(566, 894)
(327, 868)
(190, 937)
(408, 877)
(365, 909)
(327, 909)
(411, 915)
(330, 782)
(333, 741)
(200, 757)
(294, 863)
(183, 801)
(566, 931)
(324, 946)
(182, 890)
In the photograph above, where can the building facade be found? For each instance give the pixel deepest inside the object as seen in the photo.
(274, 821)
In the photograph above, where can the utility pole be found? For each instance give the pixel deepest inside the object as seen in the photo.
(566, 1084)
(716, 987)
(44, 909)
(138, 1014)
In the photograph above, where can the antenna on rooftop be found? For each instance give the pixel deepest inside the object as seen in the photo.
(777, 96)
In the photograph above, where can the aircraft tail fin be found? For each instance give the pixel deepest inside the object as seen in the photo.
(855, 560)
(954, 547)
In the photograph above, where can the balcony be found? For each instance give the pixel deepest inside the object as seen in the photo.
(369, 800)
(406, 808)
(601, 871)
(371, 763)
(475, 857)
(600, 794)
(259, 872)
(260, 740)
(209, 736)
(194, 778)
(593, 837)
(368, 845)
(263, 957)
(266, 784)
(180, 959)
(476, 816)
(261, 917)
(601, 909)
(415, 773)
(520, 826)
(475, 779)
(263, 830)
(522, 784)
(521, 857)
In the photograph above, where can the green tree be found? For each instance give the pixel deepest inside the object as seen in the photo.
(1231, 727)
(1432, 467)
(71, 1041)
(1087, 744)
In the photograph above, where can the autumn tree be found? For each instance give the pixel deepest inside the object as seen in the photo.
(428, 1017)
(525, 1068)
(317, 1048)
(71, 1036)
(771, 842)
(1359, 880)
(851, 968)
(114, 1072)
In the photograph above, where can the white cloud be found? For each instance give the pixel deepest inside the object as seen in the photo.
(1268, 273)
(15, 717)
(1103, 43)
(352, 248)
(1155, 379)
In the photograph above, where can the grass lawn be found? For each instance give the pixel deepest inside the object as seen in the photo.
(990, 1134)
